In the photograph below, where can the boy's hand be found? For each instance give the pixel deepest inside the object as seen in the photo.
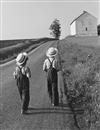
(14, 75)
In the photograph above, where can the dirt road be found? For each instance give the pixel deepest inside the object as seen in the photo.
(41, 116)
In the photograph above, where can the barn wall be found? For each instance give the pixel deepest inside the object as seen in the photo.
(86, 25)
(73, 28)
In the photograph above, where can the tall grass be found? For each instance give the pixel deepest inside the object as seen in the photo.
(81, 73)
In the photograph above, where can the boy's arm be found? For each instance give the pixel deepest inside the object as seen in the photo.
(58, 65)
(44, 67)
(28, 72)
(15, 73)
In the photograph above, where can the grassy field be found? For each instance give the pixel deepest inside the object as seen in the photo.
(10, 48)
(80, 60)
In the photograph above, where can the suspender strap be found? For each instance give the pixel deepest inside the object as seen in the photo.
(51, 62)
(20, 69)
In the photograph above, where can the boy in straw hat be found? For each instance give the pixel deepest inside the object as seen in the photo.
(22, 74)
(50, 66)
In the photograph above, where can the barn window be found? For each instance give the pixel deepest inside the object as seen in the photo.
(86, 28)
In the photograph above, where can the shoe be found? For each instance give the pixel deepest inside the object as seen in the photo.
(56, 105)
(23, 112)
(52, 104)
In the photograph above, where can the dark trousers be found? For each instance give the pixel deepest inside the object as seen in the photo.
(25, 98)
(53, 92)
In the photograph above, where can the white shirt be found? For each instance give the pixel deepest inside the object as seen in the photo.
(25, 70)
(47, 64)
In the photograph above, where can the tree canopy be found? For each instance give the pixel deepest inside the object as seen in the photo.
(55, 29)
(98, 28)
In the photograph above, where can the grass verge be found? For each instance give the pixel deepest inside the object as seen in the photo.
(81, 74)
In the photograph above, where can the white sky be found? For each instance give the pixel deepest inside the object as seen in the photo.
(22, 19)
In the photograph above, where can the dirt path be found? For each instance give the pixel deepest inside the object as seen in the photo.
(42, 116)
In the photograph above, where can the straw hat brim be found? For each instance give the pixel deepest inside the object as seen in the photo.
(48, 54)
(25, 59)
(18, 63)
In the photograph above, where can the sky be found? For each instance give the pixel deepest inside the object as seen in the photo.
(27, 19)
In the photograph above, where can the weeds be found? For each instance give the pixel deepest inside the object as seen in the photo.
(81, 73)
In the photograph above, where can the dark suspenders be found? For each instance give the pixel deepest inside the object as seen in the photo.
(51, 62)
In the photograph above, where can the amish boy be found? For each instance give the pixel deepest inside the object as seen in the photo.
(50, 66)
(22, 74)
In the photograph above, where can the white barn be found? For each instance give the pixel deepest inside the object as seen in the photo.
(84, 25)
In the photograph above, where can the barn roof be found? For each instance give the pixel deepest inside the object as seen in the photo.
(84, 12)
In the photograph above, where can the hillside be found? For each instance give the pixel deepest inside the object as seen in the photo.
(80, 61)
(10, 48)
(87, 40)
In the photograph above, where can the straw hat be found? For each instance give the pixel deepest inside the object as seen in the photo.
(52, 52)
(21, 58)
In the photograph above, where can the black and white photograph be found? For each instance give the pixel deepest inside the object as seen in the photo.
(50, 64)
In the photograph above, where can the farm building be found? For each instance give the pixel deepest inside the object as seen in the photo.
(84, 25)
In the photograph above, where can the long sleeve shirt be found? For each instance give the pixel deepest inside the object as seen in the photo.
(47, 64)
(25, 71)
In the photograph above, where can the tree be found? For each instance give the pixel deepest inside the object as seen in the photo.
(55, 29)
(98, 28)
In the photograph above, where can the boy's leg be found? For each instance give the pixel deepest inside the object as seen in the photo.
(55, 94)
(49, 87)
(20, 91)
(25, 100)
